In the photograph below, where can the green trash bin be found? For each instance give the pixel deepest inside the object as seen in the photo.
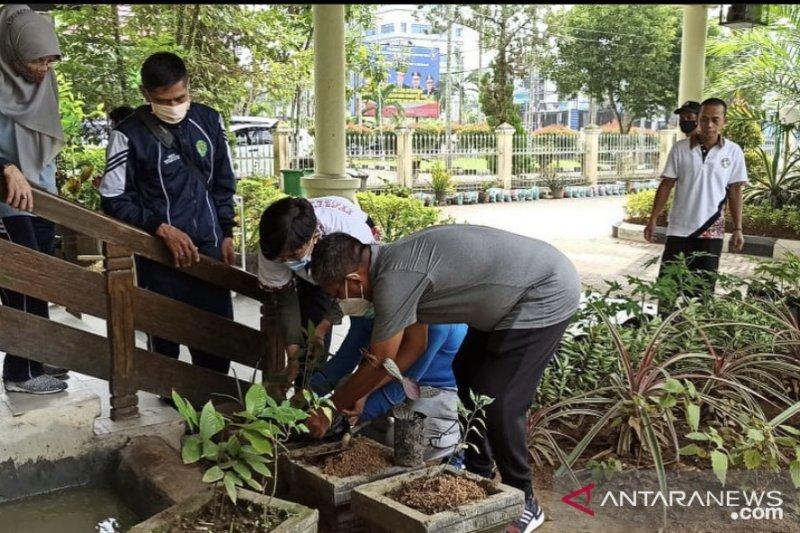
(291, 181)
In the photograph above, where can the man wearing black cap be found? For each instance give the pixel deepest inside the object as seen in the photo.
(707, 172)
(687, 116)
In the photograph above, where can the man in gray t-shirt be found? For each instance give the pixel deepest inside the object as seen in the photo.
(517, 295)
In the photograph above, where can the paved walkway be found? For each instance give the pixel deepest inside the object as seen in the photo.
(581, 228)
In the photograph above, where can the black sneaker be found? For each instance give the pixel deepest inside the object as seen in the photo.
(56, 371)
(532, 517)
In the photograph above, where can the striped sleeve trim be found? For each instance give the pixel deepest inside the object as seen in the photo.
(113, 183)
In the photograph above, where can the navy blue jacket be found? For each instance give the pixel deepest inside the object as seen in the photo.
(146, 185)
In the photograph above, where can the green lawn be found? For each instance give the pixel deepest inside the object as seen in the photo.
(467, 163)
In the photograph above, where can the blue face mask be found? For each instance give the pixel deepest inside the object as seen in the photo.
(298, 265)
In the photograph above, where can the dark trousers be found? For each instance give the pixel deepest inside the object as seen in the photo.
(189, 290)
(705, 265)
(506, 365)
(314, 306)
(38, 234)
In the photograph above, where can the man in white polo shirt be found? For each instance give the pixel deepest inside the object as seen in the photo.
(707, 172)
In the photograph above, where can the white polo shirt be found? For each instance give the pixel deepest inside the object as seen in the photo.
(334, 213)
(701, 190)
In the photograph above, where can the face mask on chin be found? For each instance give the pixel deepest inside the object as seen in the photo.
(356, 306)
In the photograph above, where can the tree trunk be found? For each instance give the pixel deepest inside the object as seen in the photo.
(190, 37)
(615, 109)
(121, 73)
(179, 32)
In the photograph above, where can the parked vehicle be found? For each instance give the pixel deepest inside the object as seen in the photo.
(254, 150)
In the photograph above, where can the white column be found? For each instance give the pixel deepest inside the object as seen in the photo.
(329, 106)
(591, 148)
(693, 53)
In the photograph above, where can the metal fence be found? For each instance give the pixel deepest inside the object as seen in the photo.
(472, 157)
(627, 156)
(253, 160)
(375, 153)
(556, 154)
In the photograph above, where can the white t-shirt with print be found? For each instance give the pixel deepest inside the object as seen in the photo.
(701, 190)
(334, 214)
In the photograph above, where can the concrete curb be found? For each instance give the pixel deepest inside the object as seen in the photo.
(753, 244)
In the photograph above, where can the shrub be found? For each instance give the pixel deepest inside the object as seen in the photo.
(257, 194)
(761, 220)
(397, 217)
(639, 206)
(556, 128)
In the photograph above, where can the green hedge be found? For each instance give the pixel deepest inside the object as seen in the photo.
(396, 216)
(759, 220)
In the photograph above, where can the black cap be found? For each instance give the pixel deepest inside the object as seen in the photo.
(690, 105)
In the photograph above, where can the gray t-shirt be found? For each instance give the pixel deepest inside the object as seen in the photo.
(488, 278)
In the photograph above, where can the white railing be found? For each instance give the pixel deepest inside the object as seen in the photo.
(533, 154)
(253, 160)
(627, 156)
(472, 156)
(374, 153)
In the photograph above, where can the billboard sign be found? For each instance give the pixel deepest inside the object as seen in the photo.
(414, 72)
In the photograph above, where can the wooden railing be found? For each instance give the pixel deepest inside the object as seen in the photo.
(115, 297)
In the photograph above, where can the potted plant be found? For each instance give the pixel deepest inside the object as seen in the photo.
(440, 498)
(554, 182)
(441, 182)
(239, 450)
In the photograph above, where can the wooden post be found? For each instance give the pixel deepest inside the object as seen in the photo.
(121, 339)
(274, 351)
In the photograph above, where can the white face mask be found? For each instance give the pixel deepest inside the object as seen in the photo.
(171, 114)
(299, 264)
(356, 306)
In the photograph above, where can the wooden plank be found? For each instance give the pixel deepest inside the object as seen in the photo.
(52, 280)
(49, 342)
(274, 349)
(108, 229)
(170, 319)
(121, 335)
(43, 340)
(160, 374)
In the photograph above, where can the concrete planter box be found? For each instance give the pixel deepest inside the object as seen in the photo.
(304, 520)
(330, 494)
(384, 514)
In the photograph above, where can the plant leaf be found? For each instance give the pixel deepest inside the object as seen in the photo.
(752, 459)
(230, 481)
(719, 464)
(191, 451)
(213, 474)
(693, 416)
(186, 410)
(211, 422)
(256, 399)
(697, 436)
(794, 470)
(689, 449)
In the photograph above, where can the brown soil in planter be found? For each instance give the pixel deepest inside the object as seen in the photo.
(434, 494)
(362, 458)
(245, 517)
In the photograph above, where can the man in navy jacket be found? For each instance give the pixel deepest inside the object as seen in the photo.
(189, 204)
